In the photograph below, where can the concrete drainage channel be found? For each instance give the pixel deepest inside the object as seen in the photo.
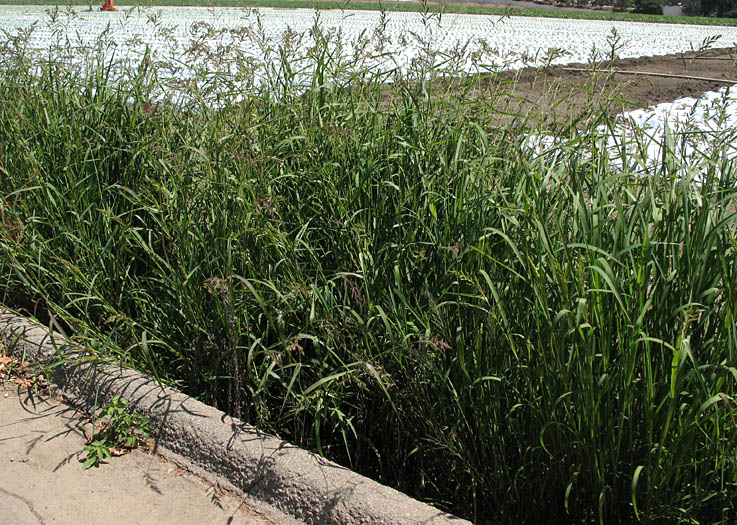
(302, 485)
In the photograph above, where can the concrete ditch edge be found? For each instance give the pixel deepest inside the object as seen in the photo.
(298, 483)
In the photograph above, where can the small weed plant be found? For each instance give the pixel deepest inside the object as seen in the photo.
(119, 429)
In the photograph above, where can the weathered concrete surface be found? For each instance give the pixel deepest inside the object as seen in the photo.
(42, 481)
(298, 483)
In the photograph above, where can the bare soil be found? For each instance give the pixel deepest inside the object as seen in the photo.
(557, 94)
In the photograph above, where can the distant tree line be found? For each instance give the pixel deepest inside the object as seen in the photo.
(720, 8)
(651, 7)
(648, 7)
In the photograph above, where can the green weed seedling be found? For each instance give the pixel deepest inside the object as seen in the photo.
(119, 429)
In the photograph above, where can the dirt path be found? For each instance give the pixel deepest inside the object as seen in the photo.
(556, 94)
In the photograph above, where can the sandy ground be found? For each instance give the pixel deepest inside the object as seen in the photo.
(42, 480)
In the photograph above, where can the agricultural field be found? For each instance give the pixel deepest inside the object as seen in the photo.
(409, 6)
(487, 43)
(417, 244)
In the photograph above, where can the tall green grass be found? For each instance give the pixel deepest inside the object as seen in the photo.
(387, 275)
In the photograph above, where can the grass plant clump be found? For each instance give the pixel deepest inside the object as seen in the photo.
(377, 266)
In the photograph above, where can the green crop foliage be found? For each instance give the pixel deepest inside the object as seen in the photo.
(378, 265)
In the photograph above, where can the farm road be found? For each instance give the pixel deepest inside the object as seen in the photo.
(556, 94)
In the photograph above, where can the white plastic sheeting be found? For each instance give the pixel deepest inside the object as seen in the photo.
(497, 41)
(688, 138)
(693, 131)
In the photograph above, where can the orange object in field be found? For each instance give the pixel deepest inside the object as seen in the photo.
(107, 5)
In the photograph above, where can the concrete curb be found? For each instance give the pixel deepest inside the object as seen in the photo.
(296, 482)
